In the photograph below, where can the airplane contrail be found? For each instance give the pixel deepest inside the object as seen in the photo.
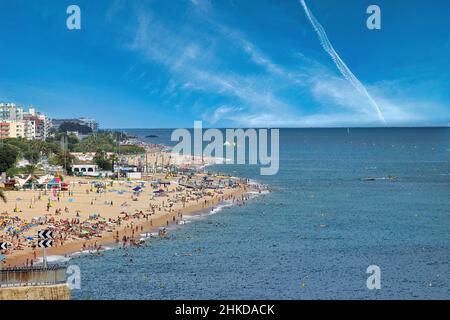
(345, 71)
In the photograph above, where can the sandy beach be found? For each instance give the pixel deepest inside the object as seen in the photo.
(94, 213)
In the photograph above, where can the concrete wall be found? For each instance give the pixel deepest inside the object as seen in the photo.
(49, 292)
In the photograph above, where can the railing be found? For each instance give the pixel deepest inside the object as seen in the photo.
(32, 276)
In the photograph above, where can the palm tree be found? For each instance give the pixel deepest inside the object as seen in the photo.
(31, 169)
(114, 159)
(2, 196)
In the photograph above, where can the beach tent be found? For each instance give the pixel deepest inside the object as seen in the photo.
(30, 179)
(44, 179)
(55, 180)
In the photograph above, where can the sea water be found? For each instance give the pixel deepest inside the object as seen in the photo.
(313, 236)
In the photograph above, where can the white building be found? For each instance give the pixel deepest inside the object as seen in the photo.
(29, 129)
(91, 170)
(85, 169)
(9, 111)
(42, 123)
(91, 123)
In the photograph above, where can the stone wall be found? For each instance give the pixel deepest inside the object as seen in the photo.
(48, 292)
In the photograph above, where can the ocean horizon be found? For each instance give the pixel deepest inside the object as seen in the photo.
(313, 236)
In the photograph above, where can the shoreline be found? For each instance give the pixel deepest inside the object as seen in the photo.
(139, 226)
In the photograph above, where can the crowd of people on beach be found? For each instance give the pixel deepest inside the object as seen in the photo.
(67, 225)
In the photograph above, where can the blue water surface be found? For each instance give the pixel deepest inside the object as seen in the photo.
(314, 235)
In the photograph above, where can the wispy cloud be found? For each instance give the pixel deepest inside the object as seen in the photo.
(220, 113)
(202, 60)
(193, 64)
(202, 5)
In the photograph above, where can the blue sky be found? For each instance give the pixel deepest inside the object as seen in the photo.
(230, 63)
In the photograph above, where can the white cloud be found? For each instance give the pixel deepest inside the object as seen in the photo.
(202, 5)
(221, 113)
(194, 62)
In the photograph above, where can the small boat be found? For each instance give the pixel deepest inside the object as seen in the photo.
(391, 178)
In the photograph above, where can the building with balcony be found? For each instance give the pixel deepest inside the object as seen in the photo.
(9, 111)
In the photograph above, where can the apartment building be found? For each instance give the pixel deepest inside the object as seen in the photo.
(12, 129)
(39, 123)
(9, 111)
(18, 123)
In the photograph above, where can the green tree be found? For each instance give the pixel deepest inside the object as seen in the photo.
(13, 171)
(114, 159)
(8, 156)
(102, 161)
(73, 126)
(32, 169)
(32, 156)
(60, 159)
(104, 164)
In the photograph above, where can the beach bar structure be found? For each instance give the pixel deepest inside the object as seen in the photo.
(86, 169)
(43, 183)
